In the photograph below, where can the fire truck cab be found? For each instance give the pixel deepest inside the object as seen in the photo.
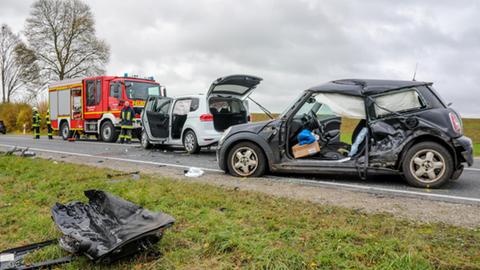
(92, 105)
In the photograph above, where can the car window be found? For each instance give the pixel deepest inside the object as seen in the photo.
(403, 101)
(182, 107)
(150, 105)
(163, 106)
(195, 104)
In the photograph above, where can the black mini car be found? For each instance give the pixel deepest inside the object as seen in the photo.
(401, 127)
(3, 129)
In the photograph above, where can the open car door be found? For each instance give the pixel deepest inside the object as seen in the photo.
(156, 117)
(239, 86)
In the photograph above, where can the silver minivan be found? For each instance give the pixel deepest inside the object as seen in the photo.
(197, 121)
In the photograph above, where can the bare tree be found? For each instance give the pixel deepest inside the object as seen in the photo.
(17, 69)
(62, 35)
(26, 60)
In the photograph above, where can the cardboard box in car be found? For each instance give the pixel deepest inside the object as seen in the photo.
(305, 150)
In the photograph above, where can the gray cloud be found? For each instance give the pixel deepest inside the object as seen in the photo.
(291, 44)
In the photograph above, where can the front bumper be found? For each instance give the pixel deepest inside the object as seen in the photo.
(464, 149)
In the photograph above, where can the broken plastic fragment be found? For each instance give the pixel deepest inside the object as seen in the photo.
(194, 172)
(108, 228)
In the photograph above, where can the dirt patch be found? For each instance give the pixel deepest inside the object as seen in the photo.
(415, 209)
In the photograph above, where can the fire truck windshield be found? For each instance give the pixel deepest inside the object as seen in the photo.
(141, 90)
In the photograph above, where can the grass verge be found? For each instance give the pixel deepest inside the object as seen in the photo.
(227, 229)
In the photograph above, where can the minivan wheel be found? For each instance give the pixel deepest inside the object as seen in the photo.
(427, 165)
(246, 160)
(144, 140)
(190, 142)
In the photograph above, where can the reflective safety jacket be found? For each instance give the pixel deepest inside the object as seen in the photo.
(36, 119)
(126, 117)
(47, 118)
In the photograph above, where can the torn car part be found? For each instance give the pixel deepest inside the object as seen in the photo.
(108, 228)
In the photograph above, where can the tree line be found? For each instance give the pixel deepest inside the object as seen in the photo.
(58, 42)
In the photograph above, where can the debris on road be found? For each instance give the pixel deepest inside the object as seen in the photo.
(108, 228)
(193, 172)
(122, 174)
(25, 152)
(14, 258)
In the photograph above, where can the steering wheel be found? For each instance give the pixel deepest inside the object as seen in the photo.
(319, 124)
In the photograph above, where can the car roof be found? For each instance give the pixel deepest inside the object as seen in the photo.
(362, 87)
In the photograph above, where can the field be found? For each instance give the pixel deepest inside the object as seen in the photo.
(221, 228)
(471, 129)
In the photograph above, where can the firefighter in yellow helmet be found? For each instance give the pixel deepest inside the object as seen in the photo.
(36, 123)
(126, 123)
(49, 125)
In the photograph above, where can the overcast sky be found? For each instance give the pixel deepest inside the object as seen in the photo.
(292, 45)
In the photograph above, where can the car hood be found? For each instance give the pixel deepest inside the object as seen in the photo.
(254, 127)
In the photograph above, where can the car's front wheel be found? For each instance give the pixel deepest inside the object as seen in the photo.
(246, 160)
(427, 165)
(190, 142)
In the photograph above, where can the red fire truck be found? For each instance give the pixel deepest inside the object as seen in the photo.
(92, 105)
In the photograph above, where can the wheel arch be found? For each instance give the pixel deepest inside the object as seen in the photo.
(106, 117)
(426, 138)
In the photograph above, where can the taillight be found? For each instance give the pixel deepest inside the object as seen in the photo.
(206, 117)
(456, 123)
(137, 115)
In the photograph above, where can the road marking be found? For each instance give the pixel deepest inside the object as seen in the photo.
(369, 188)
(285, 179)
(134, 144)
(114, 158)
(472, 169)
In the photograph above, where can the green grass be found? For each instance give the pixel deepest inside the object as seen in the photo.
(255, 231)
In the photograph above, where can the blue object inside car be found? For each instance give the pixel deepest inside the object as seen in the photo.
(305, 137)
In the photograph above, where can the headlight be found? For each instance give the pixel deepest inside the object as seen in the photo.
(225, 133)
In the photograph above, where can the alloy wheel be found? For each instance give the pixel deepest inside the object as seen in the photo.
(189, 142)
(427, 166)
(244, 161)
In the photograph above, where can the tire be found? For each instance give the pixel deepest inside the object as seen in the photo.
(190, 142)
(65, 131)
(241, 163)
(427, 165)
(144, 140)
(108, 133)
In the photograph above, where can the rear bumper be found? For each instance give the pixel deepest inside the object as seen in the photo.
(464, 149)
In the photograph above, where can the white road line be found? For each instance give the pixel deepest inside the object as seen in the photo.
(285, 179)
(134, 144)
(472, 169)
(114, 158)
(369, 188)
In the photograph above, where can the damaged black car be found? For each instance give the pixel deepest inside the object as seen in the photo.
(401, 127)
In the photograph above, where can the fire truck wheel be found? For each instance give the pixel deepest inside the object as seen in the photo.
(65, 131)
(108, 132)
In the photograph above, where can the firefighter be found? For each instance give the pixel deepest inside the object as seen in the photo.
(36, 123)
(126, 123)
(49, 125)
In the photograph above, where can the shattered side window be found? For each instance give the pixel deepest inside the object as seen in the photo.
(403, 101)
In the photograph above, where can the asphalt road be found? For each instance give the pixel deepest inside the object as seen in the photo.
(464, 190)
